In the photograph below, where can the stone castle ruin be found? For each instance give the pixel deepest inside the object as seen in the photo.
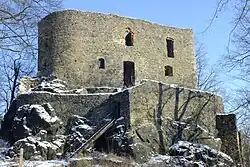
(118, 85)
(88, 49)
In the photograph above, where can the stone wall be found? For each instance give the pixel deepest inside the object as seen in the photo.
(157, 115)
(173, 102)
(26, 84)
(118, 104)
(71, 43)
(65, 105)
(157, 107)
(94, 106)
(227, 131)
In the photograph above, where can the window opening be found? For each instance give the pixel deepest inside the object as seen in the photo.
(129, 38)
(170, 47)
(168, 71)
(129, 73)
(101, 63)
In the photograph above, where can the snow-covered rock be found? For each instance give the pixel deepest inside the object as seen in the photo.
(79, 129)
(202, 154)
(186, 154)
(38, 163)
(33, 147)
(30, 119)
(188, 130)
(53, 86)
(34, 128)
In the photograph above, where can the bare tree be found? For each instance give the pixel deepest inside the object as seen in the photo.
(245, 146)
(237, 64)
(207, 78)
(238, 56)
(18, 42)
(237, 60)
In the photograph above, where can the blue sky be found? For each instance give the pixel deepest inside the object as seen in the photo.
(195, 14)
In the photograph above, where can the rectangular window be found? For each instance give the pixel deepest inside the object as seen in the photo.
(168, 71)
(101, 63)
(170, 47)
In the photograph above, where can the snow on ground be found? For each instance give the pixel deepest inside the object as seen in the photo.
(52, 163)
(4, 162)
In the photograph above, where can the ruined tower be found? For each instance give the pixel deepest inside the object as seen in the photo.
(98, 55)
(89, 49)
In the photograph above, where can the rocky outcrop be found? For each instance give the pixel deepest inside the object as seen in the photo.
(37, 149)
(149, 142)
(78, 130)
(30, 119)
(115, 139)
(185, 154)
(34, 128)
(6, 125)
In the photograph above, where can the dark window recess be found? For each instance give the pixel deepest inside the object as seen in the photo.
(129, 73)
(170, 47)
(129, 38)
(168, 71)
(101, 63)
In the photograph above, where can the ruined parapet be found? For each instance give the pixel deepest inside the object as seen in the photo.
(155, 115)
(162, 114)
(26, 84)
(227, 131)
(88, 49)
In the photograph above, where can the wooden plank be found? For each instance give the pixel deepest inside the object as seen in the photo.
(94, 137)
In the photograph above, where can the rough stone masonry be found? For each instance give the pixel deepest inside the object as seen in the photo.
(150, 86)
(72, 44)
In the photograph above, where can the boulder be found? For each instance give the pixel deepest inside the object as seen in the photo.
(186, 154)
(20, 130)
(42, 135)
(31, 119)
(28, 144)
(78, 130)
(40, 119)
(49, 109)
(187, 130)
(200, 153)
(80, 124)
(33, 147)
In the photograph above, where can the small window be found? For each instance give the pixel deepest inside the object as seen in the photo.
(170, 47)
(168, 71)
(129, 38)
(101, 63)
